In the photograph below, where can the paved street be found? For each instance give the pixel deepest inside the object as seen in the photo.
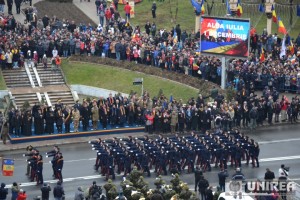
(278, 144)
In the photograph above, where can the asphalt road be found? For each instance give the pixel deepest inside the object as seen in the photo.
(278, 145)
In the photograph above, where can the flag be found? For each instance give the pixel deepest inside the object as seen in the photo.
(298, 10)
(274, 16)
(291, 48)
(239, 9)
(202, 8)
(283, 49)
(262, 55)
(281, 28)
(228, 7)
(261, 8)
(197, 6)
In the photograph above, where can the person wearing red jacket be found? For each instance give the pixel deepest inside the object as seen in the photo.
(22, 195)
(127, 10)
(149, 122)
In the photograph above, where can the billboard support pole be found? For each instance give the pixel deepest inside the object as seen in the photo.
(197, 23)
(269, 25)
(223, 75)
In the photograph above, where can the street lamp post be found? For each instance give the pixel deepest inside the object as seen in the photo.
(268, 11)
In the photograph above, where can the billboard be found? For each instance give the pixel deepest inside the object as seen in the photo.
(225, 36)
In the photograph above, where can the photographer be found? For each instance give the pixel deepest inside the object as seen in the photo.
(283, 172)
(282, 180)
(3, 192)
(45, 191)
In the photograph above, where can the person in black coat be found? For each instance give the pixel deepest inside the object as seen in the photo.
(209, 193)
(269, 177)
(3, 191)
(39, 122)
(59, 120)
(85, 116)
(153, 9)
(222, 179)
(9, 5)
(18, 6)
(45, 191)
(202, 186)
(198, 175)
(58, 191)
(17, 122)
(49, 121)
(27, 124)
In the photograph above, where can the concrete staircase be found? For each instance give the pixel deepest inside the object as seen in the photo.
(50, 77)
(20, 99)
(16, 78)
(37, 85)
(66, 97)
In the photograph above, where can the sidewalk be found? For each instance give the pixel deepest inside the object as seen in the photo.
(88, 8)
(12, 147)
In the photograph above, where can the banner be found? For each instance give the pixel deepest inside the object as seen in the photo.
(7, 167)
(228, 37)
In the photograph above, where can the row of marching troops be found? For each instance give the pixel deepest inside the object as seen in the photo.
(35, 164)
(175, 153)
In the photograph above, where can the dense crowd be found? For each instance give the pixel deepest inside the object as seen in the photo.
(175, 50)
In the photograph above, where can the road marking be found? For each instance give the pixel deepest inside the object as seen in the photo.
(279, 158)
(279, 141)
(152, 171)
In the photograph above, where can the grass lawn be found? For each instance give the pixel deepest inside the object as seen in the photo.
(2, 82)
(186, 18)
(121, 80)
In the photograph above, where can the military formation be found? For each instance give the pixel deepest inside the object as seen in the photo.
(176, 153)
(35, 164)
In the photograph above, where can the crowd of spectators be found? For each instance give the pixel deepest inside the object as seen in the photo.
(174, 49)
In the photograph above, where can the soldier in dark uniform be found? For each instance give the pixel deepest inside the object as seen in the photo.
(17, 122)
(206, 158)
(67, 118)
(238, 155)
(59, 120)
(110, 167)
(54, 155)
(50, 118)
(39, 122)
(59, 166)
(39, 170)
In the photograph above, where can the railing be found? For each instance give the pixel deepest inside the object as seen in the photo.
(36, 76)
(29, 75)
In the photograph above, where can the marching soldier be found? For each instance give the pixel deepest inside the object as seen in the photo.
(39, 170)
(54, 155)
(59, 163)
